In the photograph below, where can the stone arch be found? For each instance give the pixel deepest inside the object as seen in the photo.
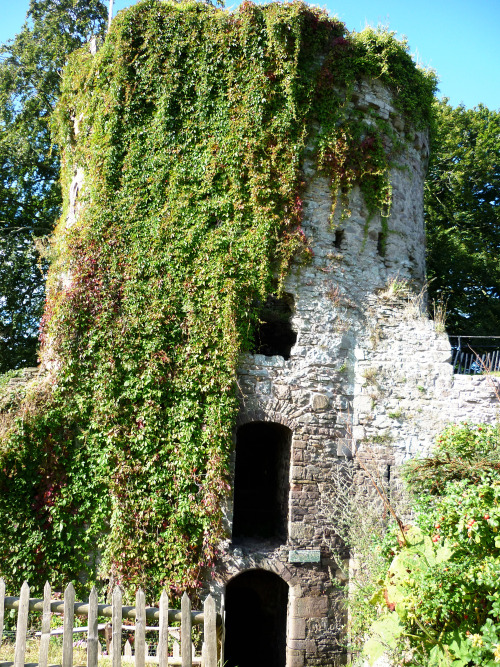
(257, 603)
(277, 411)
(261, 482)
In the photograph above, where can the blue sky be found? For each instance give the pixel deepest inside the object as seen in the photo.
(459, 39)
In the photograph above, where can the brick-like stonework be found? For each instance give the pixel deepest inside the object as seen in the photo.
(368, 373)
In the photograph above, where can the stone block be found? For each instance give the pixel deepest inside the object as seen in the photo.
(311, 646)
(363, 404)
(295, 658)
(298, 472)
(297, 628)
(312, 607)
(281, 391)
(319, 401)
(301, 533)
(263, 388)
(358, 432)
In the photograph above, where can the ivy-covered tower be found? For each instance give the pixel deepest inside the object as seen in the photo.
(233, 313)
(332, 364)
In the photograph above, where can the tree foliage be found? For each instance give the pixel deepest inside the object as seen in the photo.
(462, 210)
(30, 194)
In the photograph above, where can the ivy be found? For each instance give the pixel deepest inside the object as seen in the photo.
(192, 125)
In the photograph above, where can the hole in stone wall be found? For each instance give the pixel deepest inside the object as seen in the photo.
(381, 243)
(256, 611)
(261, 483)
(275, 334)
(339, 238)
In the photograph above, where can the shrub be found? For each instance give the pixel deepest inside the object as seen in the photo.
(440, 599)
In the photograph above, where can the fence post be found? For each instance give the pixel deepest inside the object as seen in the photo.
(92, 635)
(186, 650)
(43, 660)
(2, 608)
(22, 625)
(116, 641)
(69, 619)
(163, 634)
(210, 633)
(221, 634)
(140, 629)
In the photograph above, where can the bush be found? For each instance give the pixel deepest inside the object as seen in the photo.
(440, 600)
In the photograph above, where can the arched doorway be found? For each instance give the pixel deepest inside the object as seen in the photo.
(261, 483)
(256, 612)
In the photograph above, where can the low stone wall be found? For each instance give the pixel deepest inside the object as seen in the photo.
(14, 390)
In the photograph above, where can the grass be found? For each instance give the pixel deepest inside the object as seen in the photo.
(7, 650)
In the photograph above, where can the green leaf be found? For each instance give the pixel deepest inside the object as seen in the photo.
(384, 633)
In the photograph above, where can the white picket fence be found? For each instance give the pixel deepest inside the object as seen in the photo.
(182, 652)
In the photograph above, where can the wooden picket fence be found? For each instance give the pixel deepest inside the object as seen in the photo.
(186, 657)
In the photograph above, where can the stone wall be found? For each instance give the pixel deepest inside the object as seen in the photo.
(15, 389)
(367, 375)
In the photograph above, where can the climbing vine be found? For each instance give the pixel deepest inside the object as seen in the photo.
(190, 125)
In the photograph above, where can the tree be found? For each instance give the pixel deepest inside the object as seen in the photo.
(30, 196)
(462, 211)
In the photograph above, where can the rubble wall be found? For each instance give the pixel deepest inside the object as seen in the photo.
(368, 374)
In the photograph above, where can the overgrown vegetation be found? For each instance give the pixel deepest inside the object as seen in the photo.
(192, 124)
(439, 601)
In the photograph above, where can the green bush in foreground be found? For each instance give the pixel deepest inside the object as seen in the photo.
(440, 601)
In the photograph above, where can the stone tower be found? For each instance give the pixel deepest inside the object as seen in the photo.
(346, 366)
(349, 365)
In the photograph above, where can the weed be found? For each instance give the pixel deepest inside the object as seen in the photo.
(439, 308)
(334, 294)
(382, 439)
(359, 515)
(396, 288)
(370, 376)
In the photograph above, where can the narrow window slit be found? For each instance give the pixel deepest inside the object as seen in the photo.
(381, 243)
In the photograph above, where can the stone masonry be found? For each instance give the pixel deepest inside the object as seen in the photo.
(369, 374)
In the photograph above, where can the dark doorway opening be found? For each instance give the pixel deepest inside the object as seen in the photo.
(256, 610)
(274, 334)
(261, 482)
